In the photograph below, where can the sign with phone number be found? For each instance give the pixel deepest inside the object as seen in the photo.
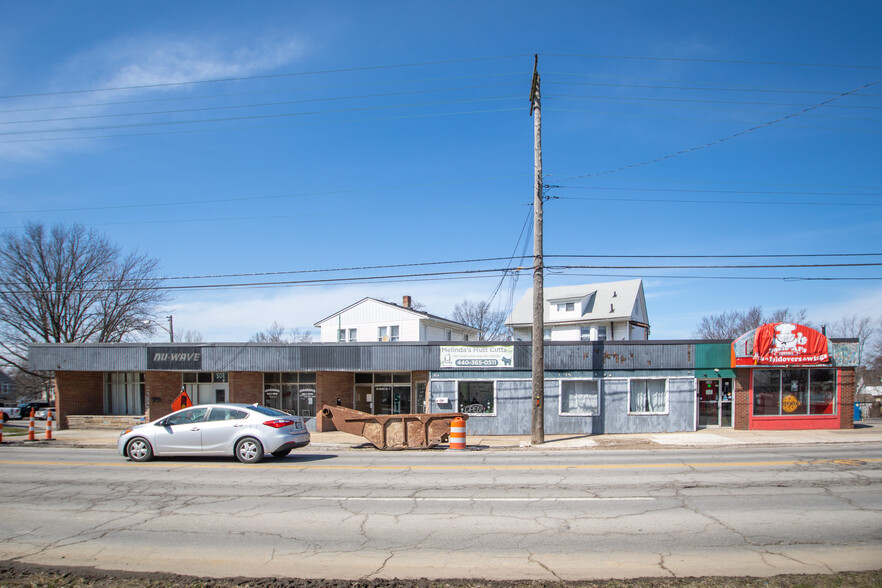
(464, 356)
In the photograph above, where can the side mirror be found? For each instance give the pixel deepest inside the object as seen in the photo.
(160, 423)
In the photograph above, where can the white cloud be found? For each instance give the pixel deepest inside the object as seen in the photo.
(128, 62)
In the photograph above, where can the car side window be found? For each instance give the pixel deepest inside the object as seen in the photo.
(194, 415)
(226, 414)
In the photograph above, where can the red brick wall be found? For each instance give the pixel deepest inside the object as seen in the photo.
(246, 387)
(78, 393)
(162, 389)
(741, 399)
(846, 398)
(329, 387)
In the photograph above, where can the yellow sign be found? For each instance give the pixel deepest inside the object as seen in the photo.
(790, 403)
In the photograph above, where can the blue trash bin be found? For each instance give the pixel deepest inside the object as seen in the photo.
(857, 412)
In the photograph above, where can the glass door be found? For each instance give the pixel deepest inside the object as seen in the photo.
(708, 403)
(364, 400)
(726, 403)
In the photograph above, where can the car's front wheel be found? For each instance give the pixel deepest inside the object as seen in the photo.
(138, 449)
(249, 450)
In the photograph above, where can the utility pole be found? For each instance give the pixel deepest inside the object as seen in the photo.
(538, 337)
(171, 329)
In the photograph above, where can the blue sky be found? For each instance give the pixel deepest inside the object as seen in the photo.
(353, 134)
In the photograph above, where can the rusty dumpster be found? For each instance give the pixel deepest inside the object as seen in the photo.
(393, 431)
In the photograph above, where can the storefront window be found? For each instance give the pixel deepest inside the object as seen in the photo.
(579, 397)
(124, 393)
(796, 392)
(476, 397)
(648, 397)
(292, 392)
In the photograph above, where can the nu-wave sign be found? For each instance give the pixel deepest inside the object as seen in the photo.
(174, 358)
(464, 356)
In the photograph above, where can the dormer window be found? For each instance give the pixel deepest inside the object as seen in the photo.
(566, 306)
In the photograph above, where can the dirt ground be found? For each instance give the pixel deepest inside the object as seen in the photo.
(17, 575)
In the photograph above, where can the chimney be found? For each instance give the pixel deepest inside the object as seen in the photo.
(405, 302)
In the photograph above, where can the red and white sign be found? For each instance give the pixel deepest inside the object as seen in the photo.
(789, 344)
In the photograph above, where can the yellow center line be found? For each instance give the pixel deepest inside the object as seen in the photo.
(549, 467)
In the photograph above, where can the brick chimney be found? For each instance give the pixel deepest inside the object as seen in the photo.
(405, 302)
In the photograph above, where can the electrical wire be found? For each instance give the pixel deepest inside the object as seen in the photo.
(699, 60)
(728, 138)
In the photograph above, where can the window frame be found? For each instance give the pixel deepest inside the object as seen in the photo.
(456, 403)
(667, 407)
(808, 393)
(560, 407)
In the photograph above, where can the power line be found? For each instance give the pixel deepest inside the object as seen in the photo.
(180, 132)
(729, 138)
(699, 60)
(776, 192)
(252, 117)
(729, 202)
(257, 105)
(708, 88)
(261, 77)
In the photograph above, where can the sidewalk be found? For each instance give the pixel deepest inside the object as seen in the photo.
(864, 432)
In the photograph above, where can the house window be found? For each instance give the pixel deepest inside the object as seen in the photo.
(449, 335)
(648, 397)
(546, 334)
(341, 335)
(579, 397)
(796, 392)
(585, 333)
(387, 333)
(601, 333)
(344, 336)
(476, 397)
(566, 306)
(353, 335)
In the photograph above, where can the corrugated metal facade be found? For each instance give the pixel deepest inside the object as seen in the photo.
(260, 357)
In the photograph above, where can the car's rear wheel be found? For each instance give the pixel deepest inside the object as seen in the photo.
(249, 450)
(281, 453)
(5, 417)
(138, 449)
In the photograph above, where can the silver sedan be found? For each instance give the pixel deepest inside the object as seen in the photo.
(244, 430)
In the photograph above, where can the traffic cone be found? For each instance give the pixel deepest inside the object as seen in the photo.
(49, 425)
(31, 428)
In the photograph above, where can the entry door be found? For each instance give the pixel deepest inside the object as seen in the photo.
(364, 400)
(420, 397)
(708, 403)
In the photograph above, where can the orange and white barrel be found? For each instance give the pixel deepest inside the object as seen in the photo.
(458, 434)
(31, 436)
(49, 425)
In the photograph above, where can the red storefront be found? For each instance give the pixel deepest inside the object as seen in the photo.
(790, 376)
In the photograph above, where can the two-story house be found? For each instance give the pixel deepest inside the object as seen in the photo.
(370, 320)
(610, 311)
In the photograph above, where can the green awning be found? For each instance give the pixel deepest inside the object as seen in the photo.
(704, 374)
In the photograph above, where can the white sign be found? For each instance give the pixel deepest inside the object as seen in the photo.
(465, 356)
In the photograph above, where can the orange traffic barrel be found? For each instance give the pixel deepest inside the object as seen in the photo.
(31, 436)
(457, 434)
(49, 425)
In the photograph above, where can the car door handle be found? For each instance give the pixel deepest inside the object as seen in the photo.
(195, 429)
(238, 425)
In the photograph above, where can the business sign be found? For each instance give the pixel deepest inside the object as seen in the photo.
(174, 358)
(780, 344)
(465, 356)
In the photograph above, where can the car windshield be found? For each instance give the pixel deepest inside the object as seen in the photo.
(269, 411)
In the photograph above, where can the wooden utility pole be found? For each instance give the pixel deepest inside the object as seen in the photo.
(538, 337)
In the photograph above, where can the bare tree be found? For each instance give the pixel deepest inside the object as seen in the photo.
(479, 315)
(734, 323)
(276, 333)
(190, 336)
(69, 284)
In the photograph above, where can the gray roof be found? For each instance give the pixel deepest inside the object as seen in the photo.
(610, 301)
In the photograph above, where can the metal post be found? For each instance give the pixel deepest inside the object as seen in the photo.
(171, 329)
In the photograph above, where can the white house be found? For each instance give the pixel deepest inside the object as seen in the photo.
(589, 312)
(372, 320)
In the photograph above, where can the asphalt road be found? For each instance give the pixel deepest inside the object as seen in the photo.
(440, 514)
